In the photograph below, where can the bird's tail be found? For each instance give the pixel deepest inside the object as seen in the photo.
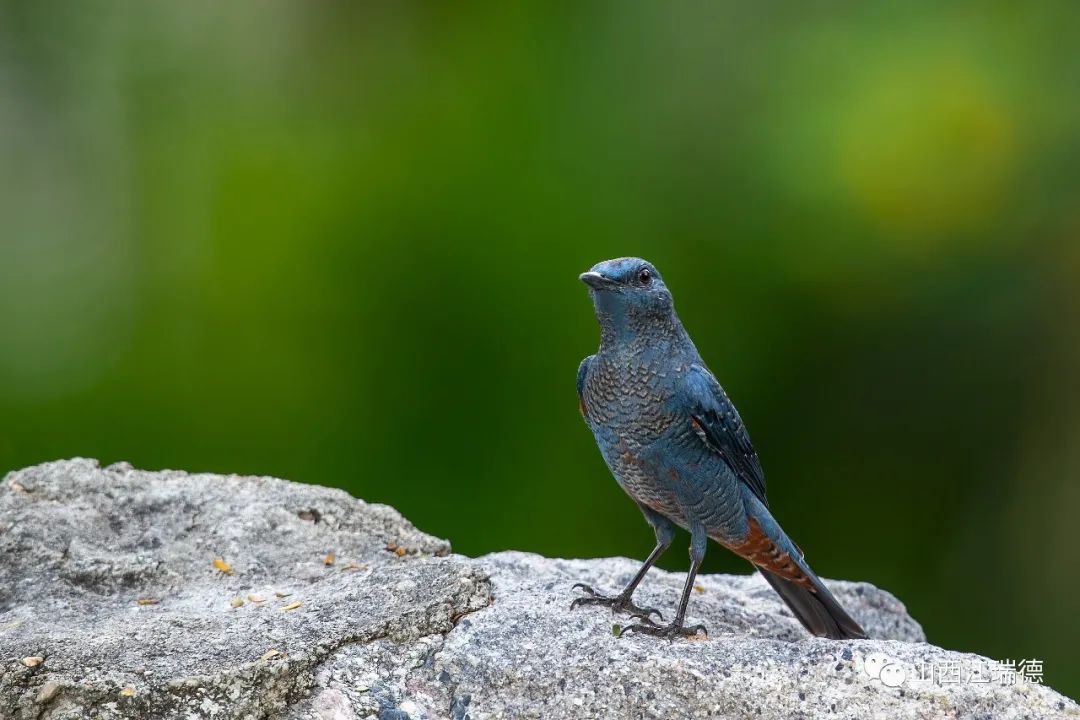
(815, 607)
(782, 563)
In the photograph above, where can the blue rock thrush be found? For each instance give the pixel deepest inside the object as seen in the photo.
(677, 446)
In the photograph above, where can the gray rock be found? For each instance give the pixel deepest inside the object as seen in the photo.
(396, 627)
(81, 546)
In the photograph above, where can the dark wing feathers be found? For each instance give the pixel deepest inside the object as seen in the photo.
(582, 369)
(717, 420)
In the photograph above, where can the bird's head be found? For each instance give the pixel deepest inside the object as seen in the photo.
(629, 295)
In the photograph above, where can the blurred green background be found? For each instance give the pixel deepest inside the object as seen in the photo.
(339, 243)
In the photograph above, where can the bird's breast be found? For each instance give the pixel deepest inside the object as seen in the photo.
(629, 401)
(627, 406)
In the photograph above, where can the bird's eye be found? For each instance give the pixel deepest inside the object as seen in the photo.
(644, 276)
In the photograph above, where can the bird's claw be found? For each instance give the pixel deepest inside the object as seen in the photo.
(667, 631)
(586, 588)
(618, 604)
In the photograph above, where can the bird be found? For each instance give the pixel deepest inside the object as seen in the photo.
(678, 447)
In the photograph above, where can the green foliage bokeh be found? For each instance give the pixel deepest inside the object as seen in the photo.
(339, 243)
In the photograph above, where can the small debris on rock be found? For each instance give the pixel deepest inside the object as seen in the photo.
(291, 606)
(48, 692)
(329, 559)
(127, 692)
(148, 601)
(699, 589)
(396, 549)
(271, 653)
(255, 599)
(237, 602)
(281, 594)
(33, 661)
(223, 566)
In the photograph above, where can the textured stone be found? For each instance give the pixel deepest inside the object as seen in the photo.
(81, 546)
(396, 627)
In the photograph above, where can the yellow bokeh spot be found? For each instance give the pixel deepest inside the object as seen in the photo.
(927, 149)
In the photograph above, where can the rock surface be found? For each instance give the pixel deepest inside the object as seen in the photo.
(109, 577)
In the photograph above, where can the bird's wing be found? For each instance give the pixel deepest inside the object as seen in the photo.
(582, 370)
(718, 423)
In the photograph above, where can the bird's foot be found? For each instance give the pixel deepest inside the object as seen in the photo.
(619, 604)
(672, 631)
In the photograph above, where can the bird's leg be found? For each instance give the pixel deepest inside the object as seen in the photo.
(676, 629)
(622, 603)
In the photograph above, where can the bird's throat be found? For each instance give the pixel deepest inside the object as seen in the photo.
(623, 328)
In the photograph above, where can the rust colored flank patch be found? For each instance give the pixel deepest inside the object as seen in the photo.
(763, 553)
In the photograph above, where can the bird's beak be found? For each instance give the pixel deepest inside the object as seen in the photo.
(596, 281)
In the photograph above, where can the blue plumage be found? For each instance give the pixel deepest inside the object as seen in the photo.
(676, 445)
